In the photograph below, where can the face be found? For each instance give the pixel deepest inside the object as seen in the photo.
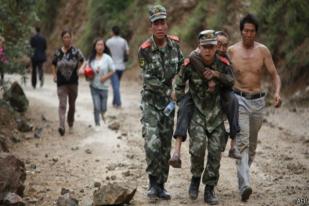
(159, 28)
(248, 34)
(208, 52)
(222, 44)
(99, 47)
(67, 39)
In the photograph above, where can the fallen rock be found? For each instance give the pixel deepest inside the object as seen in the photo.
(12, 175)
(3, 145)
(23, 125)
(97, 184)
(13, 199)
(67, 200)
(38, 132)
(113, 194)
(88, 151)
(114, 126)
(16, 97)
(126, 173)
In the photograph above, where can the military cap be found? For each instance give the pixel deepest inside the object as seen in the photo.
(207, 37)
(157, 12)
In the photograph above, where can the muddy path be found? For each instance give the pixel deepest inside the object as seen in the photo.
(280, 173)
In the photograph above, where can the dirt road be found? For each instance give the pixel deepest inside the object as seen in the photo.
(280, 173)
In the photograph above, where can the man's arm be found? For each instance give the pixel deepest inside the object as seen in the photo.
(270, 66)
(180, 82)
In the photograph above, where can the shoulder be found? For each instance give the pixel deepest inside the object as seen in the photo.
(108, 57)
(262, 48)
(173, 38)
(145, 45)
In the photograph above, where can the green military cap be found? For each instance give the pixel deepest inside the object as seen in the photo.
(157, 12)
(207, 37)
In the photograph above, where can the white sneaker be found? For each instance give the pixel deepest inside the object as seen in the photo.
(97, 128)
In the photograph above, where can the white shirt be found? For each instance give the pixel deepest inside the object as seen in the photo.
(118, 46)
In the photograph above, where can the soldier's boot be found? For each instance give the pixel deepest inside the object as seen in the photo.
(163, 194)
(153, 190)
(194, 187)
(210, 196)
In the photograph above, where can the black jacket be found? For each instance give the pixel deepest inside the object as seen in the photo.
(38, 43)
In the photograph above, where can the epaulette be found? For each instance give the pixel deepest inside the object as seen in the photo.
(173, 37)
(186, 61)
(146, 44)
(224, 60)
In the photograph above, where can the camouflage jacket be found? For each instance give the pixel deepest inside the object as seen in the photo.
(207, 103)
(159, 67)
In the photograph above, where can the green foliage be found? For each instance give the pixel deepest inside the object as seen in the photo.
(47, 11)
(284, 27)
(103, 15)
(16, 17)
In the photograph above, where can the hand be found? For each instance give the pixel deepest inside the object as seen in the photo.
(102, 79)
(277, 101)
(208, 74)
(211, 86)
(173, 96)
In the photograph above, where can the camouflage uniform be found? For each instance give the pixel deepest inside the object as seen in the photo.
(206, 127)
(159, 66)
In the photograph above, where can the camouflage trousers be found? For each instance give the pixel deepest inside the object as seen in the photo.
(157, 131)
(200, 139)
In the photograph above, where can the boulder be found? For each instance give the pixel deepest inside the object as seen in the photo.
(16, 97)
(23, 125)
(113, 194)
(12, 199)
(12, 175)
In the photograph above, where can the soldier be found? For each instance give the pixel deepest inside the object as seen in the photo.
(249, 58)
(160, 59)
(206, 127)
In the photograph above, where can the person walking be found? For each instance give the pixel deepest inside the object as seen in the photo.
(103, 68)
(249, 58)
(160, 59)
(65, 64)
(119, 50)
(38, 43)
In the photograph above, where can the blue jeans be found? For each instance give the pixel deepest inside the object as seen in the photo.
(115, 80)
(99, 99)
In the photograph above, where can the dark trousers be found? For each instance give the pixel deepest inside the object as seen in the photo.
(37, 67)
(2, 75)
(229, 106)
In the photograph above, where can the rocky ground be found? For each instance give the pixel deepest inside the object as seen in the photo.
(89, 156)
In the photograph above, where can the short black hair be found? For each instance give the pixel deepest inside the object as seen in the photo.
(249, 18)
(64, 32)
(37, 29)
(116, 30)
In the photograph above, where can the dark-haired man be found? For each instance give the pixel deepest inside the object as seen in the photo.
(160, 59)
(38, 43)
(119, 50)
(249, 58)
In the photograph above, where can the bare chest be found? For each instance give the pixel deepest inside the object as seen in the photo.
(248, 62)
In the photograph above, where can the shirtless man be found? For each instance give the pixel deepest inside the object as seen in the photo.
(249, 58)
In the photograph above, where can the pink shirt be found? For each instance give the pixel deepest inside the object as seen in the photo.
(3, 58)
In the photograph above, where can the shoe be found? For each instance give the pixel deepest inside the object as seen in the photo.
(153, 190)
(234, 153)
(246, 194)
(210, 196)
(163, 194)
(61, 131)
(175, 161)
(194, 187)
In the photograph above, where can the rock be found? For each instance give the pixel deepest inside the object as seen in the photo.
(13, 199)
(43, 118)
(38, 132)
(15, 138)
(118, 145)
(55, 159)
(130, 156)
(33, 166)
(119, 137)
(23, 125)
(3, 145)
(124, 134)
(12, 175)
(113, 194)
(64, 191)
(97, 184)
(126, 173)
(81, 190)
(74, 148)
(16, 97)
(113, 177)
(67, 200)
(88, 151)
(114, 126)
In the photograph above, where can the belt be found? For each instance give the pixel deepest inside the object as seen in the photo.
(250, 95)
